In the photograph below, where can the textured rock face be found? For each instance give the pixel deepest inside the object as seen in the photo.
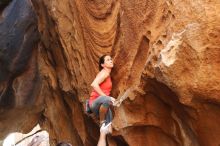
(19, 77)
(167, 51)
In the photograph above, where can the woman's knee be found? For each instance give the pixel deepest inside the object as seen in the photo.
(107, 103)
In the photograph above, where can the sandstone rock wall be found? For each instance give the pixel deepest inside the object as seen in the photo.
(19, 76)
(166, 51)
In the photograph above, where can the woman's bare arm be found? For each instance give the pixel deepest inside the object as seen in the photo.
(98, 80)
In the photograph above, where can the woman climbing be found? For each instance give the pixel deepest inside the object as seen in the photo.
(100, 102)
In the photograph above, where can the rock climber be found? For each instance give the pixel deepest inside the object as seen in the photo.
(100, 101)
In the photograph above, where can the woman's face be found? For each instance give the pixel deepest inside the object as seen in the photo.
(108, 62)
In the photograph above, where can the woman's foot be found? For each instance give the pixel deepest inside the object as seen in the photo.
(101, 123)
(106, 128)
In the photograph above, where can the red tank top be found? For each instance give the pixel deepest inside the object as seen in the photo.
(106, 87)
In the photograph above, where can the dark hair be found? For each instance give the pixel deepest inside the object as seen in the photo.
(63, 144)
(102, 61)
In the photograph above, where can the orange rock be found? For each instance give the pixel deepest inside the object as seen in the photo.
(167, 50)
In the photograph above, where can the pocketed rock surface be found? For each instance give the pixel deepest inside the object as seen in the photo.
(166, 52)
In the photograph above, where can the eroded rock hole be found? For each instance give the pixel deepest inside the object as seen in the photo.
(3, 4)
